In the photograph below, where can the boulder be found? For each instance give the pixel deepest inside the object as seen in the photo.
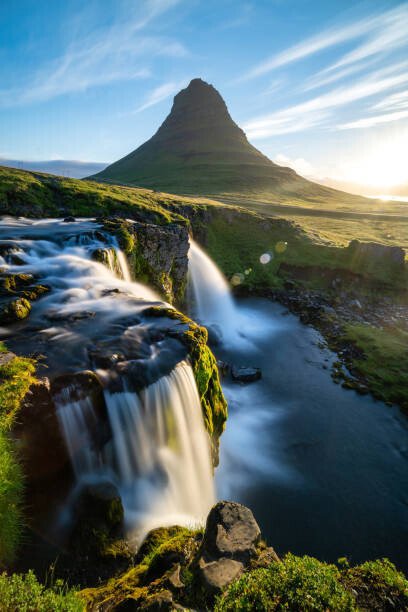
(372, 252)
(231, 531)
(245, 374)
(217, 575)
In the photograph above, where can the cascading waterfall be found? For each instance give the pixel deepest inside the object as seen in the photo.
(161, 452)
(211, 296)
(157, 452)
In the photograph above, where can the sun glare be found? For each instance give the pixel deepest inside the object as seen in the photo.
(385, 166)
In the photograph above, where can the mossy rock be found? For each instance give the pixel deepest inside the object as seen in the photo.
(16, 310)
(205, 369)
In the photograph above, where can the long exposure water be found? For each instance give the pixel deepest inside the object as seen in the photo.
(324, 469)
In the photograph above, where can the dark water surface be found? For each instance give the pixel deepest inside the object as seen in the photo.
(324, 469)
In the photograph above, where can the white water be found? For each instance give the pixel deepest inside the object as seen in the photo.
(212, 300)
(212, 304)
(162, 452)
(159, 452)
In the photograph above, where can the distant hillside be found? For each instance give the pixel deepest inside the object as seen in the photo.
(61, 167)
(200, 150)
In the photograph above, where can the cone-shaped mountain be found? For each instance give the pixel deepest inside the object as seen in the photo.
(199, 149)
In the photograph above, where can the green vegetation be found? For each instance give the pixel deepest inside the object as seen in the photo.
(378, 586)
(199, 149)
(40, 195)
(385, 353)
(297, 583)
(162, 546)
(25, 594)
(16, 376)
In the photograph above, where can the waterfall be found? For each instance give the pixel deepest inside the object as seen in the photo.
(152, 444)
(212, 302)
(159, 455)
(161, 452)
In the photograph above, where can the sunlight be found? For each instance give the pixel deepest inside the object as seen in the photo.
(384, 167)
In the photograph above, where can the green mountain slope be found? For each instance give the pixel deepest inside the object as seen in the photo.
(200, 150)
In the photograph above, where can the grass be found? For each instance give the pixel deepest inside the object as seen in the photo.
(16, 377)
(304, 583)
(385, 357)
(40, 195)
(24, 593)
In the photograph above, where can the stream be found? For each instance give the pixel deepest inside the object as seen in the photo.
(323, 469)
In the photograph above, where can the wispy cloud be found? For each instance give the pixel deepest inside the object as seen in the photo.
(300, 165)
(241, 18)
(368, 122)
(316, 110)
(104, 55)
(384, 31)
(394, 101)
(160, 93)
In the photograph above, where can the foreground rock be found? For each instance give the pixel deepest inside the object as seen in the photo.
(245, 374)
(181, 569)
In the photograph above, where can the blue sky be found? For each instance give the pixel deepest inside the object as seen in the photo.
(321, 86)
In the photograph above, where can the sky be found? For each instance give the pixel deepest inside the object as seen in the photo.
(320, 86)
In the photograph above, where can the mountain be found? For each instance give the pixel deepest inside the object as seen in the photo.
(62, 167)
(200, 150)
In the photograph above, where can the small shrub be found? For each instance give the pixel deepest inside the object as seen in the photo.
(378, 586)
(24, 593)
(297, 583)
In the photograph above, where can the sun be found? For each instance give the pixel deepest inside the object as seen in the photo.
(384, 166)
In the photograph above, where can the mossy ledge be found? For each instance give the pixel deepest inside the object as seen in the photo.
(16, 377)
(182, 569)
(204, 364)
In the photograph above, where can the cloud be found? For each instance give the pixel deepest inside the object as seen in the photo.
(316, 110)
(388, 30)
(160, 93)
(101, 56)
(394, 101)
(367, 122)
(300, 165)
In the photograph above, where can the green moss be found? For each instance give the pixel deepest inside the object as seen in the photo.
(16, 376)
(384, 351)
(24, 593)
(204, 364)
(379, 586)
(297, 583)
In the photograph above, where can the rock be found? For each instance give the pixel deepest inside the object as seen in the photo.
(374, 253)
(245, 374)
(38, 435)
(231, 531)
(14, 311)
(85, 385)
(217, 575)
(98, 519)
(158, 601)
(356, 304)
(69, 219)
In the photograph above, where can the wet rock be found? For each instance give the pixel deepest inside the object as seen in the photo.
(84, 385)
(38, 436)
(217, 575)
(98, 520)
(231, 531)
(245, 374)
(159, 601)
(16, 310)
(69, 219)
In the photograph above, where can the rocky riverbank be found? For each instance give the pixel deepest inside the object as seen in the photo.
(367, 331)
